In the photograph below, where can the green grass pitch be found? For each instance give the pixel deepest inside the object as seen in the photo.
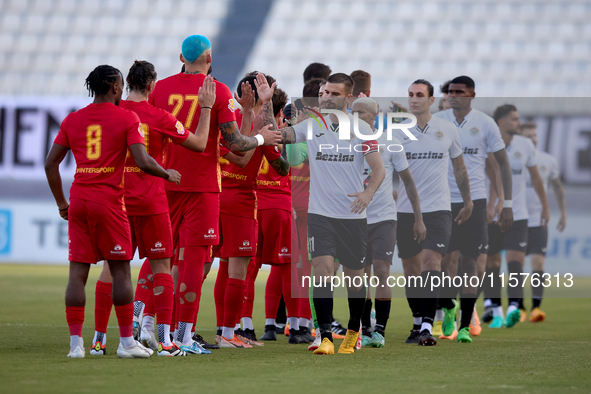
(554, 356)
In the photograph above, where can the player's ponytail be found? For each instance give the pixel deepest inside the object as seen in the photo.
(100, 80)
(140, 75)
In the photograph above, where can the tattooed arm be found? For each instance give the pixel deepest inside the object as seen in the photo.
(464, 185)
(266, 115)
(280, 165)
(420, 231)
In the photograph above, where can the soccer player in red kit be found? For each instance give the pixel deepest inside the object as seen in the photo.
(194, 205)
(238, 205)
(98, 228)
(147, 211)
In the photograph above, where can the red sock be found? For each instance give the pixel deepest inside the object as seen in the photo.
(273, 291)
(191, 281)
(251, 277)
(143, 290)
(305, 310)
(164, 300)
(219, 292)
(125, 319)
(235, 290)
(103, 303)
(291, 303)
(75, 318)
(149, 309)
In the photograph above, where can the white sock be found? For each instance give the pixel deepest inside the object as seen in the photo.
(187, 338)
(511, 308)
(173, 334)
(304, 322)
(165, 334)
(75, 340)
(148, 323)
(417, 321)
(99, 336)
(247, 323)
(497, 311)
(426, 326)
(310, 325)
(293, 323)
(228, 332)
(487, 302)
(127, 341)
(439, 315)
(237, 326)
(269, 322)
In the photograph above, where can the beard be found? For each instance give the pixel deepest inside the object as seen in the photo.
(329, 104)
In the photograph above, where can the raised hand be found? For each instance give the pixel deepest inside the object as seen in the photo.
(206, 93)
(263, 89)
(247, 100)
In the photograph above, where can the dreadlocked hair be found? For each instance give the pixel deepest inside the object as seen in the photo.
(100, 80)
(140, 75)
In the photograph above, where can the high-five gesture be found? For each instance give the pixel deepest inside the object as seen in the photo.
(206, 93)
(263, 89)
(247, 100)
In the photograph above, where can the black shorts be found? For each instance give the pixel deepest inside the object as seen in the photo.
(344, 239)
(484, 242)
(381, 241)
(537, 240)
(467, 237)
(438, 226)
(515, 239)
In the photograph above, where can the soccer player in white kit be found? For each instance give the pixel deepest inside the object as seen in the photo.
(537, 235)
(381, 223)
(479, 135)
(429, 157)
(522, 156)
(337, 224)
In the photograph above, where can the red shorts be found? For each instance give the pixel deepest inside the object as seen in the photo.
(97, 232)
(274, 245)
(152, 235)
(238, 237)
(302, 234)
(194, 218)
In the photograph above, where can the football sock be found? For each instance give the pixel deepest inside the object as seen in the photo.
(427, 326)
(75, 318)
(493, 290)
(429, 296)
(413, 294)
(487, 302)
(251, 277)
(366, 318)
(511, 308)
(467, 302)
(138, 308)
(439, 314)
(303, 322)
(103, 303)
(228, 332)
(74, 341)
(293, 323)
(273, 290)
(447, 291)
(356, 304)
(537, 291)
(148, 323)
(149, 308)
(125, 319)
(191, 281)
(497, 311)
(281, 316)
(292, 304)
(164, 334)
(235, 290)
(382, 314)
(515, 293)
(323, 304)
(219, 292)
(163, 298)
(99, 337)
(183, 333)
(237, 326)
(305, 310)
(247, 323)
(269, 322)
(143, 289)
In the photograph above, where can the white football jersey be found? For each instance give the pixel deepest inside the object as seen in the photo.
(480, 136)
(336, 167)
(522, 155)
(428, 159)
(548, 169)
(383, 206)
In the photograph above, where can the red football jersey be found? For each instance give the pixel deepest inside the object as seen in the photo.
(178, 95)
(98, 136)
(273, 190)
(300, 187)
(239, 185)
(144, 194)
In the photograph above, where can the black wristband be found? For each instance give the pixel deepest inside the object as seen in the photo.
(63, 209)
(205, 107)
